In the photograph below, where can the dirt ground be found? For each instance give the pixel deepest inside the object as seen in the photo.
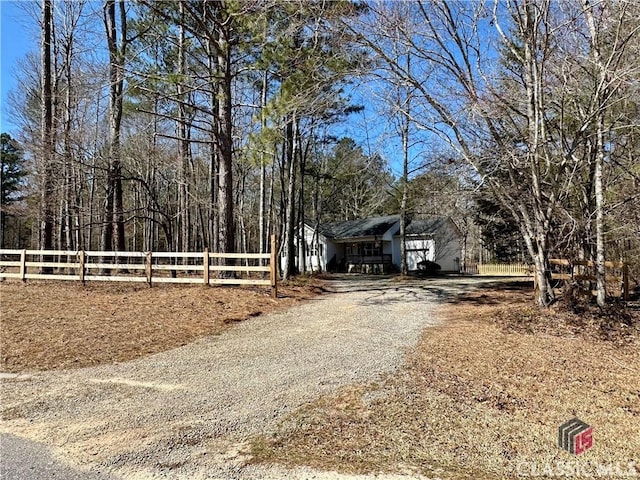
(482, 397)
(53, 325)
(187, 413)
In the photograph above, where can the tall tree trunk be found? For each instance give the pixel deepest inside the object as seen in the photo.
(315, 213)
(69, 198)
(536, 154)
(288, 267)
(106, 237)
(46, 202)
(270, 229)
(183, 141)
(241, 206)
(302, 241)
(214, 171)
(600, 97)
(117, 44)
(94, 184)
(405, 193)
(73, 175)
(404, 102)
(263, 166)
(225, 145)
(600, 257)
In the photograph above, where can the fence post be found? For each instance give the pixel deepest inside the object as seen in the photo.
(148, 267)
(81, 266)
(625, 281)
(23, 265)
(273, 268)
(205, 264)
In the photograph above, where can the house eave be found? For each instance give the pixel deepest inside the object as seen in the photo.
(314, 231)
(415, 235)
(369, 238)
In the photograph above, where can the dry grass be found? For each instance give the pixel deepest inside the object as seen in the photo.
(49, 325)
(481, 397)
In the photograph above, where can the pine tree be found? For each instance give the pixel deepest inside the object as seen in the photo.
(12, 173)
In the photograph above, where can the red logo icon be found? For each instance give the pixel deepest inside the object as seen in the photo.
(575, 436)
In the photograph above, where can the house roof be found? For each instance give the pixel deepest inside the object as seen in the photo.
(366, 227)
(378, 226)
(424, 226)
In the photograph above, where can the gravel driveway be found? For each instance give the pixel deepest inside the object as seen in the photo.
(186, 413)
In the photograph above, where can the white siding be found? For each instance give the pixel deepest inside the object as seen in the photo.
(395, 251)
(448, 252)
(422, 244)
(319, 260)
(443, 248)
(419, 250)
(314, 259)
(448, 256)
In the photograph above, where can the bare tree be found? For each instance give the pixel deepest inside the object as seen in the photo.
(608, 45)
(184, 148)
(501, 136)
(116, 31)
(47, 139)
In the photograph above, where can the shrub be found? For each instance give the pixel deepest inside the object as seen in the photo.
(427, 267)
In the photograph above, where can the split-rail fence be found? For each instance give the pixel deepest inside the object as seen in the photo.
(150, 267)
(582, 273)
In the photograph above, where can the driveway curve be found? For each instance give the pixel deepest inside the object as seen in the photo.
(185, 413)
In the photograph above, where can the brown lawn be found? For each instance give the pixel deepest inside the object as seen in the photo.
(50, 325)
(482, 397)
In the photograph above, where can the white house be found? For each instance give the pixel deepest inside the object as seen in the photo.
(373, 244)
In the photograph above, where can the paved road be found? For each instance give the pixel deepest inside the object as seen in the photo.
(188, 412)
(22, 459)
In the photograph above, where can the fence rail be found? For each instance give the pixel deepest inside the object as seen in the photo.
(582, 273)
(499, 269)
(149, 267)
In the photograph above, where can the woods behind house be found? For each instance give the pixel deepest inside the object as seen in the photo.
(179, 126)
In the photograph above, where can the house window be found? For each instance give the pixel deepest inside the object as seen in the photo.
(364, 249)
(311, 251)
(371, 249)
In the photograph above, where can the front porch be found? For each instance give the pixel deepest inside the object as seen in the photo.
(369, 264)
(367, 257)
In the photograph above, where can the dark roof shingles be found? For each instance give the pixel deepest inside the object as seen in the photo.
(426, 226)
(369, 227)
(365, 227)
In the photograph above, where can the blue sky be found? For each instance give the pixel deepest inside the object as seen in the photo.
(17, 38)
(19, 35)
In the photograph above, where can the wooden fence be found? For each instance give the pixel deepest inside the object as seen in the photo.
(582, 271)
(150, 267)
(499, 269)
(505, 269)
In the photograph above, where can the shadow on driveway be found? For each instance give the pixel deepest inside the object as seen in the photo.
(384, 289)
